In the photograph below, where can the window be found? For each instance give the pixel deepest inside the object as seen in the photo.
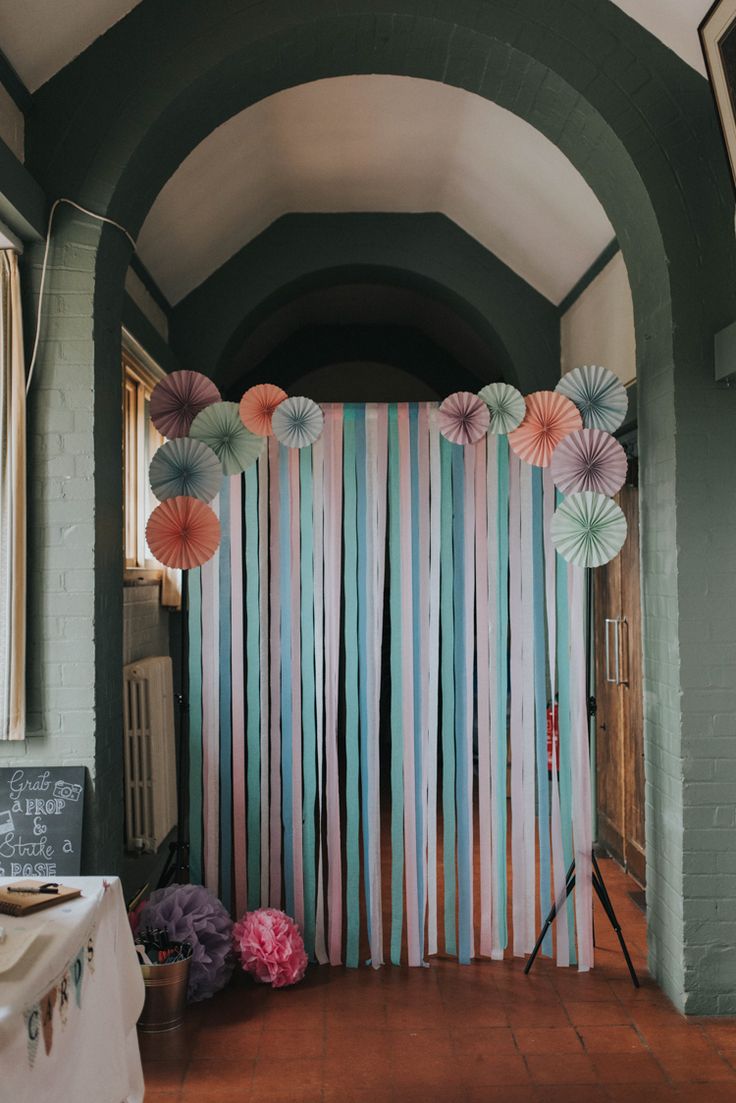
(140, 441)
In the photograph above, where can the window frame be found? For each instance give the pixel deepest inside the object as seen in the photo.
(140, 374)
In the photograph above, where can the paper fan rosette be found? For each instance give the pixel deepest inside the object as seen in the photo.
(463, 418)
(589, 460)
(257, 407)
(506, 406)
(185, 467)
(549, 418)
(183, 533)
(220, 428)
(297, 422)
(598, 394)
(588, 529)
(177, 399)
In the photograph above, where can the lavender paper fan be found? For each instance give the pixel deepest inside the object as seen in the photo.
(177, 399)
(190, 913)
(598, 394)
(589, 459)
(297, 422)
(463, 418)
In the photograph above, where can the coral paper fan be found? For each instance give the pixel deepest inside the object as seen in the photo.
(297, 422)
(177, 399)
(589, 460)
(257, 406)
(463, 418)
(588, 529)
(183, 533)
(185, 468)
(506, 406)
(599, 395)
(270, 947)
(549, 418)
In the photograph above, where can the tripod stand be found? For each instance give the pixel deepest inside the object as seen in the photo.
(599, 884)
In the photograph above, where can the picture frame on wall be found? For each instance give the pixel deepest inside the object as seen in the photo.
(718, 40)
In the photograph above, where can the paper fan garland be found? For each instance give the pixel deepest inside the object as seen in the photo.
(506, 406)
(177, 399)
(463, 418)
(599, 395)
(297, 422)
(183, 533)
(257, 407)
(549, 418)
(589, 460)
(220, 427)
(185, 468)
(588, 529)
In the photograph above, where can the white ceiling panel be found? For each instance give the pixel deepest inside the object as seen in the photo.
(377, 143)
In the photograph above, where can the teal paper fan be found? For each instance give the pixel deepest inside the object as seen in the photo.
(598, 394)
(506, 405)
(588, 529)
(220, 428)
(185, 468)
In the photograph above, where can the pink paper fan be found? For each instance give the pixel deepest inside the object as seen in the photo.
(177, 399)
(183, 533)
(257, 406)
(463, 418)
(550, 417)
(589, 459)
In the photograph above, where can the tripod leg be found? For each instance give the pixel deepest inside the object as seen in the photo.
(569, 886)
(605, 899)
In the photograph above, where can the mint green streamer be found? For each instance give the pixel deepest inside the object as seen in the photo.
(194, 586)
(447, 663)
(352, 749)
(252, 686)
(309, 704)
(397, 735)
(502, 675)
(565, 722)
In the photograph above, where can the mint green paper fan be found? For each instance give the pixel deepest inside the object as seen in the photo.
(588, 529)
(220, 428)
(506, 406)
(599, 395)
(185, 468)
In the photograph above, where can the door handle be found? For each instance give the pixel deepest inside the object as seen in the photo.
(616, 679)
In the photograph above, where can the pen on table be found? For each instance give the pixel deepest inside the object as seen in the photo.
(50, 889)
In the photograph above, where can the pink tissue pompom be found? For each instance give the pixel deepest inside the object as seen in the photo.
(269, 946)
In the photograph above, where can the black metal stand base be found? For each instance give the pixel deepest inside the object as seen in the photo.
(602, 893)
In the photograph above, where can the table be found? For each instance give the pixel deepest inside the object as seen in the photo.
(69, 1006)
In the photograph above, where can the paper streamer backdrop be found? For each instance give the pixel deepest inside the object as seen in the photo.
(288, 775)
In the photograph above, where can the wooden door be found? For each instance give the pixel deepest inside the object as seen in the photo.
(619, 736)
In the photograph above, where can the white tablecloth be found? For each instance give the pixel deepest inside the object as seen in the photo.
(68, 1008)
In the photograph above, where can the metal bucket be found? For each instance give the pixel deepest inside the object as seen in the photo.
(166, 996)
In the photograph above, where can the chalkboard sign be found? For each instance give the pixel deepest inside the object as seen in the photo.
(41, 820)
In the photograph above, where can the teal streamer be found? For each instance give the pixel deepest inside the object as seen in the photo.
(397, 739)
(540, 703)
(352, 753)
(309, 701)
(194, 620)
(464, 866)
(447, 673)
(565, 722)
(252, 685)
(416, 551)
(287, 786)
(364, 614)
(226, 726)
(502, 679)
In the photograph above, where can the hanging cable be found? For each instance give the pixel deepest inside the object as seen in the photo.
(92, 214)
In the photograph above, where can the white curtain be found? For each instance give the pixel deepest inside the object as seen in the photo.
(12, 504)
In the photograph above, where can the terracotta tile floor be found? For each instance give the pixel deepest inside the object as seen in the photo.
(476, 1034)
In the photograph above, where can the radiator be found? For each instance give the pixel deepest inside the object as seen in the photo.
(150, 756)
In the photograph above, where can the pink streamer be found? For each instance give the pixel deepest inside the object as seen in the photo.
(469, 598)
(318, 464)
(237, 668)
(275, 676)
(263, 673)
(496, 734)
(425, 700)
(435, 481)
(333, 571)
(518, 850)
(528, 710)
(296, 687)
(407, 667)
(580, 763)
(484, 629)
(211, 715)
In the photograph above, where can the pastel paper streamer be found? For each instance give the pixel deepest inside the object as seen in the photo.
(211, 716)
(582, 819)
(528, 726)
(518, 850)
(253, 694)
(365, 642)
(296, 690)
(433, 660)
(238, 674)
(540, 705)
(462, 707)
(421, 622)
(225, 706)
(194, 591)
(287, 682)
(447, 604)
(498, 519)
(309, 726)
(264, 680)
(333, 568)
(318, 461)
(397, 691)
(565, 724)
(351, 646)
(274, 891)
(484, 697)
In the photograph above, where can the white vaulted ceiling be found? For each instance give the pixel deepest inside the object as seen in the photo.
(377, 143)
(42, 36)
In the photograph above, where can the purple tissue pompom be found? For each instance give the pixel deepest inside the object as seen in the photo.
(190, 913)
